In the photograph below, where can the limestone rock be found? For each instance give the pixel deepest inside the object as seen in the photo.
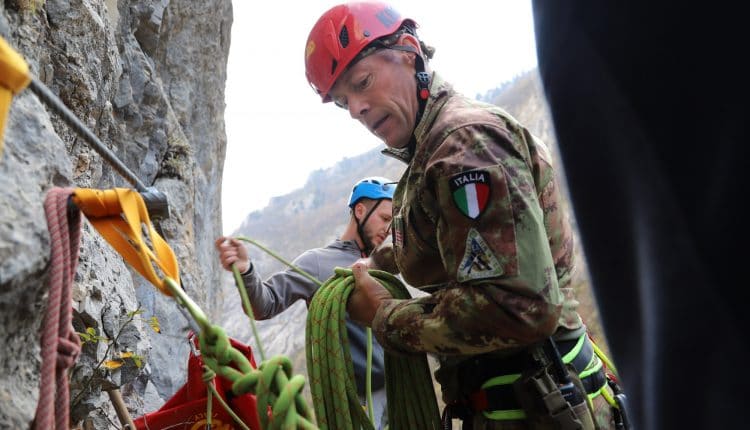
(146, 77)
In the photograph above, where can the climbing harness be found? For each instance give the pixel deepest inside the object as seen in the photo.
(541, 373)
(60, 344)
(411, 398)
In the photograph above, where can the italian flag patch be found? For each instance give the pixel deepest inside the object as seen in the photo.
(471, 192)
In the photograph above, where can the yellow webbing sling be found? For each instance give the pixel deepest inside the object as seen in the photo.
(121, 217)
(14, 76)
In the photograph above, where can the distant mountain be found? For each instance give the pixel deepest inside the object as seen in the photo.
(315, 214)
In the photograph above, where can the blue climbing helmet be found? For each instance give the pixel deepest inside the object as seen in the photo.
(375, 188)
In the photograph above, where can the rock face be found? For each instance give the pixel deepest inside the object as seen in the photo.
(147, 77)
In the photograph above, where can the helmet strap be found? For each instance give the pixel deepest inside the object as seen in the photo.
(422, 77)
(368, 247)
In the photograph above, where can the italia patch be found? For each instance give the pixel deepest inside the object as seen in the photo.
(479, 262)
(471, 192)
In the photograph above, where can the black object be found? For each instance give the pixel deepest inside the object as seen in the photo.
(156, 203)
(570, 392)
(650, 108)
(622, 422)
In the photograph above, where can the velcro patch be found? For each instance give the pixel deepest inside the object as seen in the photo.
(397, 227)
(471, 192)
(479, 262)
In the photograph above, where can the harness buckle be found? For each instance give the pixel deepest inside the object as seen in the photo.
(459, 410)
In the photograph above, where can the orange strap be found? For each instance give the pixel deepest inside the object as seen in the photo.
(121, 217)
(14, 76)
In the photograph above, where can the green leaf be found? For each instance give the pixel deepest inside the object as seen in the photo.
(154, 323)
(85, 337)
(137, 360)
(112, 364)
(135, 312)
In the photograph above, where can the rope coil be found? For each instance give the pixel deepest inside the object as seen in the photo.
(60, 344)
(272, 383)
(411, 398)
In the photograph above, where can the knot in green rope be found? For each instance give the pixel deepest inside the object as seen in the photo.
(273, 383)
(215, 343)
(208, 374)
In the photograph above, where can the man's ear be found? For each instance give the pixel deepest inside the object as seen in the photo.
(360, 210)
(407, 39)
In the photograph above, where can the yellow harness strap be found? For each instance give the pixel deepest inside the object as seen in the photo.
(121, 217)
(14, 77)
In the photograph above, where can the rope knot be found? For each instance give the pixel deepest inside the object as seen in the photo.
(214, 342)
(208, 374)
(68, 350)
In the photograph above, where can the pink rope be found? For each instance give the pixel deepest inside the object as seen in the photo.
(59, 342)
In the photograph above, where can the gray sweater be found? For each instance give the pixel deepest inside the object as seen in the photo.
(272, 296)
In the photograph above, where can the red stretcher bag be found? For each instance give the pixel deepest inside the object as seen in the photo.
(186, 410)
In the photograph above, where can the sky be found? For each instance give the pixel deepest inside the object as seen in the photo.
(278, 131)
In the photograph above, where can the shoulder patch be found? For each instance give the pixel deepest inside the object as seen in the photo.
(479, 261)
(471, 192)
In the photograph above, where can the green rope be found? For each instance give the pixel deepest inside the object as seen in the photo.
(208, 378)
(411, 398)
(272, 383)
(248, 309)
(281, 259)
(368, 377)
(246, 304)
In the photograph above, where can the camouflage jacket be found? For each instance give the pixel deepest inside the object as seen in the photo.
(477, 223)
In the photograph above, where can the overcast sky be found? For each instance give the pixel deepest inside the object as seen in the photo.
(278, 131)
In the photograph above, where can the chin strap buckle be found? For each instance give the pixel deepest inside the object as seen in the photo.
(423, 85)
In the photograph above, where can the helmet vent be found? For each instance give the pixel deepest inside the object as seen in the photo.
(334, 64)
(344, 37)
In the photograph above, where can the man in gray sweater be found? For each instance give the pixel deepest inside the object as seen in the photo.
(370, 204)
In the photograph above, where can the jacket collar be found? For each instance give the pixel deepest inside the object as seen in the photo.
(349, 245)
(440, 92)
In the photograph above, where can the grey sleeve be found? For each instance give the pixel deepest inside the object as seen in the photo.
(272, 296)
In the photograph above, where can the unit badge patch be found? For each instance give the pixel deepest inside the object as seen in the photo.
(479, 261)
(471, 192)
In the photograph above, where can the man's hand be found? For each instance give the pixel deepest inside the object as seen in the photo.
(231, 251)
(367, 296)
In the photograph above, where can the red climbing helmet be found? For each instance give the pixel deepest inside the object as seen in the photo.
(340, 34)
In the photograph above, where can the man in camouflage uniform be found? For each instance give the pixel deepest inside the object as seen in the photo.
(478, 221)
